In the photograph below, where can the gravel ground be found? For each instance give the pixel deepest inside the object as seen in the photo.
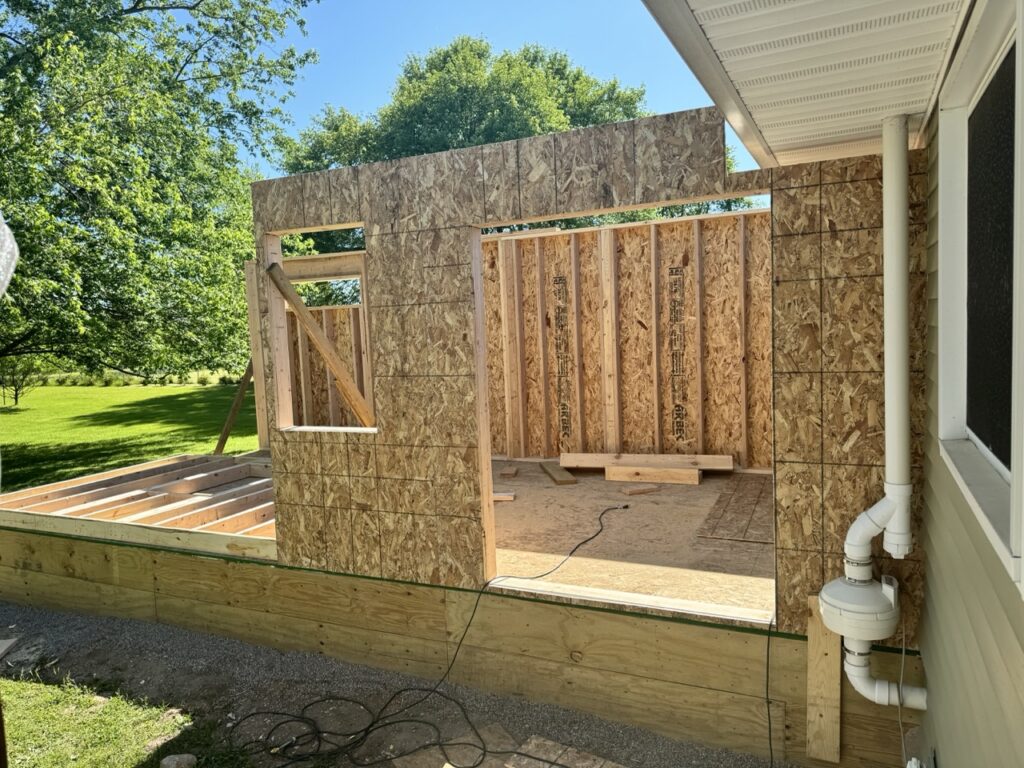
(220, 679)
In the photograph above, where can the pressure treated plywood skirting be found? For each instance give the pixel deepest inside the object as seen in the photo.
(654, 339)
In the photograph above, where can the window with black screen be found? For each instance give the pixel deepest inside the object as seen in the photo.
(990, 144)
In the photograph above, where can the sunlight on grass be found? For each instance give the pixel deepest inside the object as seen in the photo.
(55, 726)
(62, 432)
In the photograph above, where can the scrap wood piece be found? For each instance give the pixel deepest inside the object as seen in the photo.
(653, 461)
(640, 488)
(507, 473)
(675, 475)
(824, 686)
(503, 496)
(342, 378)
(561, 476)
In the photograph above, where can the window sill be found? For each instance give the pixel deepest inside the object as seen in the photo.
(988, 495)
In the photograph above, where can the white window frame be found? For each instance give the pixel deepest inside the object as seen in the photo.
(994, 492)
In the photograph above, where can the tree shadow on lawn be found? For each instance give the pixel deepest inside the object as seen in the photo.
(200, 413)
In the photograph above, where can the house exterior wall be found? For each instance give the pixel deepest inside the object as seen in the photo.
(828, 379)
(972, 631)
(411, 500)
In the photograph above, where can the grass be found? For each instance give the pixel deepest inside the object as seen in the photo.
(61, 432)
(64, 724)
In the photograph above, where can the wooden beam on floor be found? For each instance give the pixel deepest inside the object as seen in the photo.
(175, 506)
(639, 489)
(507, 473)
(200, 481)
(148, 481)
(266, 530)
(721, 463)
(146, 503)
(88, 508)
(512, 332)
(824, 686)
(343, 379)
(236, 406)
(542, 348)
(744, 404)
(558, 475)
(239, 521)
(64, 488)
(659, 441)
(220, 509)
(698, 266)
(503, 496)
(673, 475)
(610, 357)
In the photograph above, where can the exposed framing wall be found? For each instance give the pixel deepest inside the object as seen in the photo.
(615, 364)
(411, 499)
(827, 363)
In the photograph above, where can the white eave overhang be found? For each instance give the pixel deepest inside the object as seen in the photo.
(805, 80)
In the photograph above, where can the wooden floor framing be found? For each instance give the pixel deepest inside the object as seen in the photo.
(220, 504)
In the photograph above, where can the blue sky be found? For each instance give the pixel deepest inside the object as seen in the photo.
(362, 45)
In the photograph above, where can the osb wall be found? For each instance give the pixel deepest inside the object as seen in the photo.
(315, 399)
(563, 315)
(829, 398)
(411, 500)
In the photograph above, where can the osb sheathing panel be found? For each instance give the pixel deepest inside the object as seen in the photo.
(536, 387)
(595, 168)
(560, 306)
(341, 320)
(677, 323)
(636, 372)
(683, 156)
(759, 341)
(724, 410)
(829, 418)
(676, 327)
(495, 363)
(590, 327)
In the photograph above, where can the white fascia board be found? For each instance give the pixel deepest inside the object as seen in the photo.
(685, 33)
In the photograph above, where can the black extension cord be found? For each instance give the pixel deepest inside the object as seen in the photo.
(316, 743)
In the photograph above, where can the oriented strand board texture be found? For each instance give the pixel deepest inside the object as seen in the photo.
(676, 327)
(319, 408)
(827, 372)
(426, 328)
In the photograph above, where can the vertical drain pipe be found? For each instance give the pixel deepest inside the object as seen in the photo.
(896, 288)
(857, 606)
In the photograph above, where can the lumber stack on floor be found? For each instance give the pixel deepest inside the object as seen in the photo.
(642, 468)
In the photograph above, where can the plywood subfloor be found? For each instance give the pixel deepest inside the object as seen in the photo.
(659, 547)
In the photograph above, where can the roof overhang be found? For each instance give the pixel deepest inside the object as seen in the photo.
(803, 80)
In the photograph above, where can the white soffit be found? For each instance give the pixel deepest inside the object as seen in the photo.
(803, 80)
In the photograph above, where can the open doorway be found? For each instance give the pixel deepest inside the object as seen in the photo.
(649, 340)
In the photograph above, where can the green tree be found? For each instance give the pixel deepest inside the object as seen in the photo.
(463, 95)
(119, 121)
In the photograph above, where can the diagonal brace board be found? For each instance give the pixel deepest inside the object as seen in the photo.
(342, 378)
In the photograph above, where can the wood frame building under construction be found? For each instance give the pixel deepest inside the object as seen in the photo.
(742, 351)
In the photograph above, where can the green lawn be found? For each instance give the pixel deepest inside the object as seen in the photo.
(61, 432)
(60, 725)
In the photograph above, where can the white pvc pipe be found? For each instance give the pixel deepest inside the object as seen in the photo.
(896, 285)
(857, 663)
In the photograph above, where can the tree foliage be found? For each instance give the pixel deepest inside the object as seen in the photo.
(119, 121)
(465, 94)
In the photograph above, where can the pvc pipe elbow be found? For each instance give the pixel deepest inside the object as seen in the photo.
(882, 692)
(866, 527)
